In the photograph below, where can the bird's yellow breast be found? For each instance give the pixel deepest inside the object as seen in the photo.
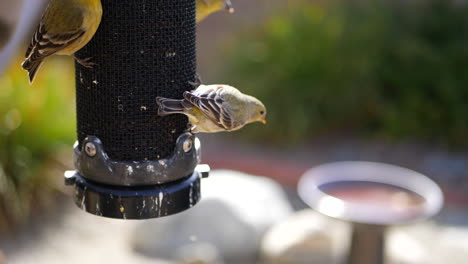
(92, 14)
(206, 7)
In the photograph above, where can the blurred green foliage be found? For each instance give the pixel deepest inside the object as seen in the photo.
(392, 69)
(36, 123)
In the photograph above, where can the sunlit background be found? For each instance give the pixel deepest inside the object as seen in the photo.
(342, 80)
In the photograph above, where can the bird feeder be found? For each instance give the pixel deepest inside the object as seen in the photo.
(130, 163)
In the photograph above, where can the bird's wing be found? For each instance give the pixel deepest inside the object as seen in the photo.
(211, 102)
(60, 26)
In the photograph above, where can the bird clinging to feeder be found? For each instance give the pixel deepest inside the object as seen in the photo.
(215, 108)
(68, 25)
(207, 7)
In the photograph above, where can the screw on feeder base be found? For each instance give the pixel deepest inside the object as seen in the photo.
(188, 144)
(90, 149)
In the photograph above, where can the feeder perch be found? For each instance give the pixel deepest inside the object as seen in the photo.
(130, 163)
(372, 196)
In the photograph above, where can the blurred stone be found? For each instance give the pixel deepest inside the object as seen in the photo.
(404, 249)
(198, 253)
(225, 227)
(68, 235)
(209, 223)
(427, 243)
(306, 237)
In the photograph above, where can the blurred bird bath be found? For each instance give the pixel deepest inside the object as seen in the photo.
(370, 193)
(385, 200)
(372, 196)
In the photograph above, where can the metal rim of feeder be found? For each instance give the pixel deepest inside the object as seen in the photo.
(93, 163)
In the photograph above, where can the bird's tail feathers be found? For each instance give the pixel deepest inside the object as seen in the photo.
(170, 106)
(32, 67)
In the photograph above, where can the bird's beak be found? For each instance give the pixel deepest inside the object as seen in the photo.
(228, 6)
(263, 121)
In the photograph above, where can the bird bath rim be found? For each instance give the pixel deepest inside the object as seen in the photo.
(309, 189)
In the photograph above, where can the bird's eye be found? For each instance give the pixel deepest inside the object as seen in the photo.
(262, 112)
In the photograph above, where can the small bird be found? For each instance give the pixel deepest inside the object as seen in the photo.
(215, 108)
(66, 26)
(206, 7)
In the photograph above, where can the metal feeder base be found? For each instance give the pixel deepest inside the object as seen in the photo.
(135, 202)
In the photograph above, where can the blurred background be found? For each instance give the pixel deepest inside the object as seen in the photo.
(342, 80)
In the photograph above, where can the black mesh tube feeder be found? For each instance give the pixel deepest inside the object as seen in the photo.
(130, 163)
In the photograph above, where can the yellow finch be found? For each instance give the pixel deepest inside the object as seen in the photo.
(215, 108)
(206, 7)
(66, 26)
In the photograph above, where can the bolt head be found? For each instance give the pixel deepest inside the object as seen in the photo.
(90, 149)
(204, 170)
(188, 144)
(70, 177)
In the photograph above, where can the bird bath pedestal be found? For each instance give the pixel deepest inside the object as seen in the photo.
(372, 196)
